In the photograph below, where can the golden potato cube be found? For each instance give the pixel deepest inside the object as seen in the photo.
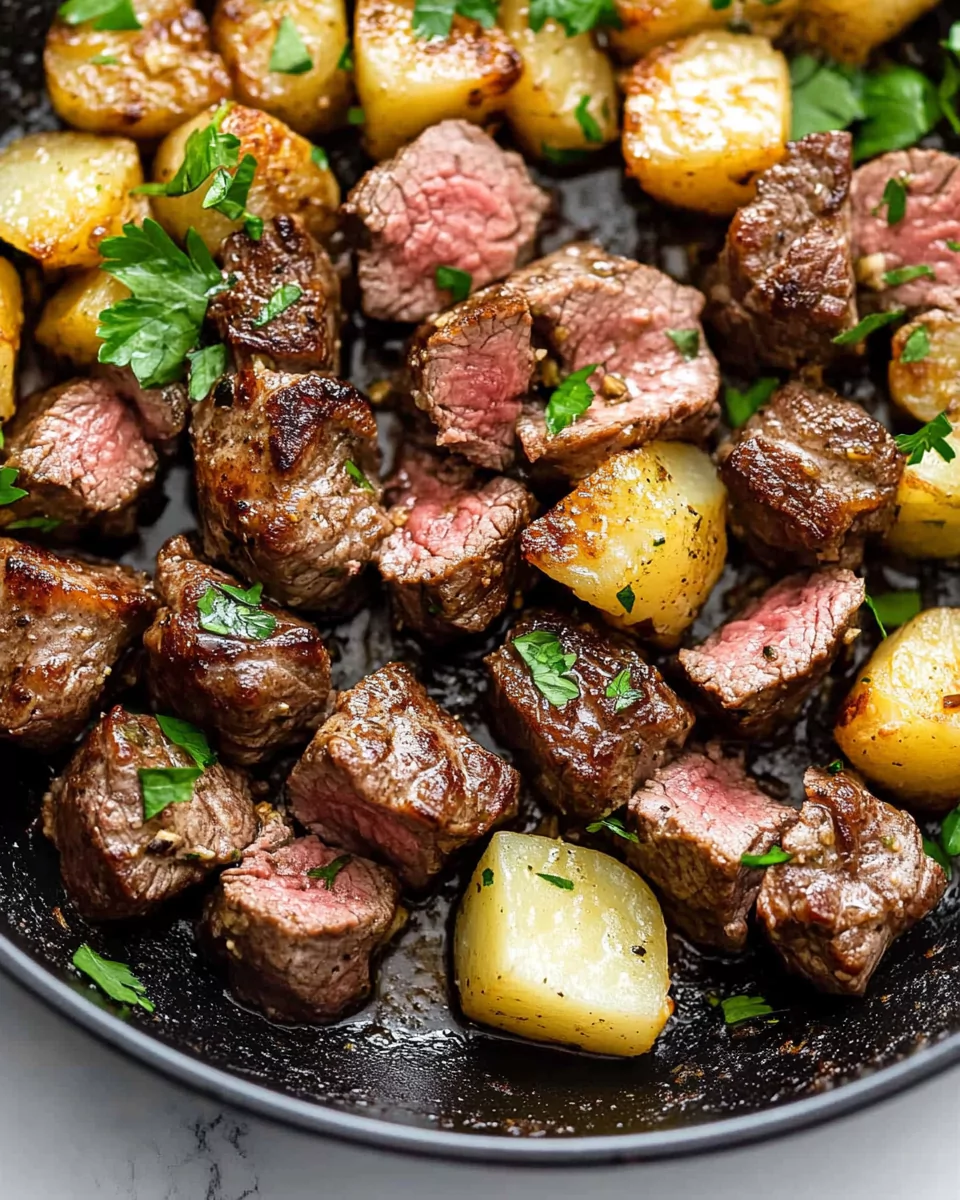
(68, 323)
(579, 959)
(11, 325)
(928, 385)
(850, 29)
(650, 23)
(928, 506)
(704, 117)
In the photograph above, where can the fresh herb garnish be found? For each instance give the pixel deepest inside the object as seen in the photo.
(574, 16)
(687, 341)
(587, 122)
(868, 325)
(114, 979)
(318, 156)
(228, 195)
(355, 115)
(627, 598)
(8, 493)
(487, 877)
(932, 436)
(289, 55)
(162, 786)
(825, 96)
(345, 61)
(206, 151)
(891, 609)
(619, 689)
(837, 765)
(561, 156)
(952, 245)
(894, 200)
(917, 346)
(458, 283)
(549, 666)
(744, 1008)
(104, 60)
(433, 18)
(188, 737)
(44, 524)
(558, 881)
(950, 832)
(935, 851)
(719, 5)
(358, 476)
(234, 612)
(206, 367)
(906, 274)
(742, 405)
(114, 15)
(329, 873)
(773, 856)
(614, 825)
(283, 298)
(570, 400)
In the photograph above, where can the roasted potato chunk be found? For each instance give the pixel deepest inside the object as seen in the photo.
(562, 944)
(927, 385)
(900, 725)
(68, 323)
(11, 325)
(704, 117)
(406, 83)
(850, 29)
(928, 506)
(287, 180)
(141, 83)
(310, 101)
(649, 23)
(61, 194)
(643, 538)
(561, 77)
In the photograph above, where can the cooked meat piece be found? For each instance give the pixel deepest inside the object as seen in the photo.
(451, 565)
(254, 695)
(81, 456)
(810, 477)
(279, 501)
(594, 307)
(784, 287)
(305, 336)
(392, 773)
(589, 755)
(296, 945)
(116, 864)
(451, 198)
(921, 238)
(162, 410)
(695, 819)
(859, 877)
(470, 369)
(757, 669)
(64, 627)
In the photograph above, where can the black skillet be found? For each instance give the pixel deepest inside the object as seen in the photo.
(406, 1072)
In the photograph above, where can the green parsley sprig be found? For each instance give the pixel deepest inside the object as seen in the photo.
(330, 872)
(283, 298)
(932, 436)
(892, 609)
(589, 125)
(558, 881)
(114, 979)
(687, 341)
(163, 786)
(741, 406)
(434, 18)
(619, 690)
(615, 826)
(451, 279)
(230, 611)
(117, 16)
(549, 666)
(770, 858)
(574, 16)
(289, 55)
(570, 400)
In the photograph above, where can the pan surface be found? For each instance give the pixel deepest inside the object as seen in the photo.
(406, 1071)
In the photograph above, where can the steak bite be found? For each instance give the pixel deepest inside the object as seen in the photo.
(593, 307)
(921, 238)
(255, 694)
(858, 878)
(391, 772)
(810, 477)
(65, 625)
(296, 926)
(115, 862)
(588, 755)
(758, 668)
(286, 470)
(470, 369)
(162, 410)
(306, 335)
(80, 454)
(451, 198)
(451, 564)
(784, 285)
(695, 819)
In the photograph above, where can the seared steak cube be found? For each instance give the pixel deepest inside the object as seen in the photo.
(470, 369)
(593, 307)
(286, 470)
(296, 927)
(451, 198)
(451, 565)
(589, 754)
(162, 410)
(65, 625)
(757, 669)
(306, 335)
(116, 862)
(858, 878)
(258, 680)
(921, 238)
(81, 456)
(810, 477)
(784, 286)
(695, 819)
(392, 773)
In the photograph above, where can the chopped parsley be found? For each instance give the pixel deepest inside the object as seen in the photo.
(434, 18)
(329, 873)
(104, 60)
(619, 690)
(935, 851)
(355, 115)
(235, 612)
(114, 979)
(917, 346)
(744, 1008)
(458, 283)
(952, 245)
(345, 61)
(613, 825)
(206, 367)
(742, 405)
(868, 325)
(891, 609)
(773, 856)
(837, 765)
(562, 157)
(283, 298)
(289, 55)
(587, 122)
(570, 400)
(687, 341)
(357, 476)
(906, 274)
(228, 195)
(318, 156)
(825, 96)
(188, 737)
(487, 877)
(932, 436)
(950, 833)
(549, 666)
(558, 881)
(163, 786)
(574, 16)
(44, 524)
(8, 493)
(206, 151)
(114, 15)
(627, 598)
(894, 200)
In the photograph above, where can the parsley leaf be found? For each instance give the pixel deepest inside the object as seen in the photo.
(549, 666)
(358, 476)
(931, 436)
(228, 194)
(329, 873)
(114, 15)
(627, 598)
(44, 524)
(104, 60)
(162, 786)
(487, 877)
(188, 737)
(619, 689)
(482, 11)
(742, 405)
(687, 341)
(917, 346)
(574, 16)
(587, 122)
(891, 609)
(558, 881)
(826, 96)
(894, 199)
(906, 274)
(289, 55)
(458, 283)
(345, 61)
(207, 149)
(950, 832)
(614, 825)
(570, 400)
(562, 157)
(773, 856)
(901, 106)
(868, 325)
(319, 158)
(232, 612)
(206, 367)
(114, 979)
(744, 1008)
(836, 766)
(283, 298)
(355, 115)
(935, 851)
(434, 18)
(8, 493)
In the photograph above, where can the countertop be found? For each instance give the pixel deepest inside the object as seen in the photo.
(79, 1121)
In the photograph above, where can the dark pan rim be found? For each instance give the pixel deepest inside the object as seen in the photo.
(435, 1143)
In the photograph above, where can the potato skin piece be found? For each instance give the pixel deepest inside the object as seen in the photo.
(704, 117)
(900, 724)
(650, 23)
(929, 385)
(164, 74)
(927, 523)
(314, 102)
(849, 29)
(68, 323)
(11, 326)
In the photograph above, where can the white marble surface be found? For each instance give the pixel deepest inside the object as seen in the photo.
(77, 1121)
